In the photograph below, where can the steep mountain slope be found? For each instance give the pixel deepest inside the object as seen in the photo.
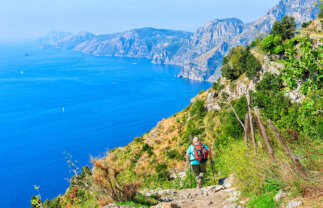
(140, 43)
(208, 68)
(200, 54)
(206, 48)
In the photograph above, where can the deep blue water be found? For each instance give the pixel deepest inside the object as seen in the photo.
(107, 102)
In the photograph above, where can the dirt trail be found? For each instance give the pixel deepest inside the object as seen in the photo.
(219, 196)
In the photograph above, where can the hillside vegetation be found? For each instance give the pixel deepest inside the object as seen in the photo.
(283, 73)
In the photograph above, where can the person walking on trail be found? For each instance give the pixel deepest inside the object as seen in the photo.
(198, 154)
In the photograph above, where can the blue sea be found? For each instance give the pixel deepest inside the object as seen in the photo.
(54, 101)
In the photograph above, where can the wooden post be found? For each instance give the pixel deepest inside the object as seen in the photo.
(235, 113)
(250, 122)
(246, 129)
(289, 152)
(264, 134)
(243, 126)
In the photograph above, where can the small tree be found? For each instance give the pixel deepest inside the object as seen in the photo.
(240, 60)
(306, 24)
(320, 15)
(270, 82)
(284, 28)
(252, 67)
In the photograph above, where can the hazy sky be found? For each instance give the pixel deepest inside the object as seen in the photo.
(27, 19)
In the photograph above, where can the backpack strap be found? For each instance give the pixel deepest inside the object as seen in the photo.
(191, 153)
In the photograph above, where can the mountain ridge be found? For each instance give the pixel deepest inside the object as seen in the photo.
(200, 53)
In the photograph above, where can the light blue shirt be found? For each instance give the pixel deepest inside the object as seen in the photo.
(190, 152)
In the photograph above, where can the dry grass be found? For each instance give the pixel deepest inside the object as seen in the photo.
(106, 179)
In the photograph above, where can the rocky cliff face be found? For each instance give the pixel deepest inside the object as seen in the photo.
(207, 67)
(203, 55)
(200, 54)
(149, 43)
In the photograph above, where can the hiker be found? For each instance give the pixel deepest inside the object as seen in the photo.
(197, 154)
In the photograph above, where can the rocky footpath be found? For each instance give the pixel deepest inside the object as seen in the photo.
(218, 196)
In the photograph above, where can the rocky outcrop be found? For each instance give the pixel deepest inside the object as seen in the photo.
(203, 56)
(200, 54)
(316, 25)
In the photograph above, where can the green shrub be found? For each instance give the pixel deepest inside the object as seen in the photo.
(192, 129)
(231, 127)
(140, 201)
(273, 105)
(138, 139)
(148, 149)
(272, 185)
(256, 42)
(135, 159)
(253, 67)
(202, 91)
(272, 44)
(277, 40)
(162, 171)
(197, 109)
(267, 43)
(55, 203)
(36, 202)
(270, 82)
(217, 86)
(263, 201)
(278, 49)
(172, 154)
(86, 171)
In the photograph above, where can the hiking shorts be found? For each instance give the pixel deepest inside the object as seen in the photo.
(199, 170)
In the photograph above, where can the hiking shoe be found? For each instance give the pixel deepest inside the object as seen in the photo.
(199, 183)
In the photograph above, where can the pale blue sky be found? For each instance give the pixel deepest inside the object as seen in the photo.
(27, 19)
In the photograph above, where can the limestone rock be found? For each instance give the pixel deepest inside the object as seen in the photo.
(179, 175)
(165, 205)
(294, 204)
(316, 26)
(117, 206)
(210, 102)
(228, 182)
(280, 195)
